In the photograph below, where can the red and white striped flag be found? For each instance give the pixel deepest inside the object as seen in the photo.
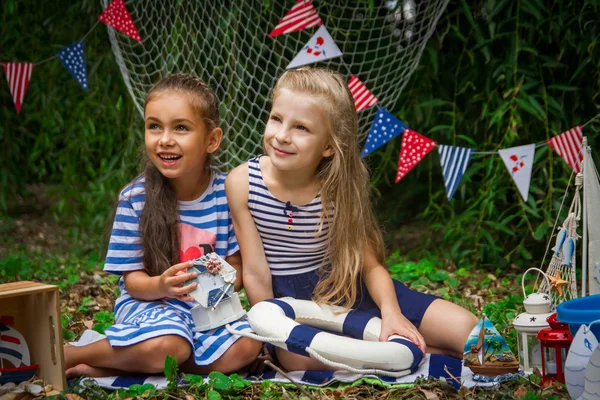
(568, 145)
(303, 15)
(18, 76)
(363, 98)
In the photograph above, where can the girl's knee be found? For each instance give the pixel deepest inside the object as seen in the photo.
(159, 348)
(243, 352)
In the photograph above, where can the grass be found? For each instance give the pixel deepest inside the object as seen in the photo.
(37, 248)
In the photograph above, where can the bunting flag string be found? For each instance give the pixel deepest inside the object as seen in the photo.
(568, 146)
(18, 76)
(454, 162)
(302, 16)
(321, 46)
(72, 57)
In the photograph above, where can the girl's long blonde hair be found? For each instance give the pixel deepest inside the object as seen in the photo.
(345, 187)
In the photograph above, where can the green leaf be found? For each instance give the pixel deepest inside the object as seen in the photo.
(564, 88)
(219, 381)
(541, 231)
(212, 395)
(170, 369)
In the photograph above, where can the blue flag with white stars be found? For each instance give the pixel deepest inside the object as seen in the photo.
(385, 127)
(73, 60)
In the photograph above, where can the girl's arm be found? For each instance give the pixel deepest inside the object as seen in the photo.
(235, 260)
(381, 288)
(142, 286)
(255, 269)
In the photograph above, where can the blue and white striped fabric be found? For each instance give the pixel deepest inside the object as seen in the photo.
(205, 225)
(291, 243)
(435, 365)
(454, 164)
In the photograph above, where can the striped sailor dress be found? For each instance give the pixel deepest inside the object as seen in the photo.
(297, 253)
(205, 226)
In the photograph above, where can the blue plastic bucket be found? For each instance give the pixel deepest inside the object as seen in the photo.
(580, 311)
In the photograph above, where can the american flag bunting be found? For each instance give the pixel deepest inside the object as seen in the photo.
(18, 76)
(303, 15)
(363, 98)
(568, 145)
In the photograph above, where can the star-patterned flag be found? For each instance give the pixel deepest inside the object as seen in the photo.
(117, 16)
(385, 127)
(414, 147)
(454, 162)
(73, 60)
(18, 76)
(568, 145)
(363, 98)
(519, 162)
(303, 15)
(320, 47)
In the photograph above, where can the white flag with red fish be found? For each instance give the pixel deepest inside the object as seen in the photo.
(519, 162)
(303, 15)
(363, 98)
(320, 47)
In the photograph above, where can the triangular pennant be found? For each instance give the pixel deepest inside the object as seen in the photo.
(363, 98)
(385, 127)
(303, 15)
(117, 16)
(568, 145)
(519, 161)
(18, 76)
(74, 61)
(414, 147)
(320, 47)
(454, 162)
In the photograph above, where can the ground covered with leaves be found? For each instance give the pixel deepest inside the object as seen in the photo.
(39, 248)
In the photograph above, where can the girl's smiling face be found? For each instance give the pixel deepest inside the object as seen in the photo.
(177, 139)
(297, 133)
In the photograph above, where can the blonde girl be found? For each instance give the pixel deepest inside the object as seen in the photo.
(305, 225)
(174, 212)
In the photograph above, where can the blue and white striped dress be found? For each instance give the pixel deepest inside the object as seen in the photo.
(289, 232)
(205, 225)
(297, 255)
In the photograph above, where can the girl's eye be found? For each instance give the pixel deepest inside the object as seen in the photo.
(275, 118)
(152, 126)
(302, 128)
(181, 128)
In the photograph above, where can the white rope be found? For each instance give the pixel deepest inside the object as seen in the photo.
(319, 357)
(254, 336)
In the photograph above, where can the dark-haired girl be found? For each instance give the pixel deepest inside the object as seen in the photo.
(175, 211)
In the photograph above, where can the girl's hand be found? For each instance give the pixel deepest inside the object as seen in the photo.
(395, 323)
(171, 282)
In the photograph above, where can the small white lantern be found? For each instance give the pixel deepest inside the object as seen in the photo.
(218, 303)
(538, 307)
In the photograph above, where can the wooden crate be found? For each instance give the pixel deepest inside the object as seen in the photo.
(35, 308)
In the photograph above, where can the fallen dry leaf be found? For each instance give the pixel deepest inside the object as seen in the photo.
(520, 392)
(429, 395)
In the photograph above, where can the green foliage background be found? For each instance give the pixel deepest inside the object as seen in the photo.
(495, 74)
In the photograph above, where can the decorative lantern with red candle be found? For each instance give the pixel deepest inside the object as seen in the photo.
(555, 342)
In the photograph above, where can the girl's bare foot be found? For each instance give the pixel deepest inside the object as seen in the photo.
(92, 372)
